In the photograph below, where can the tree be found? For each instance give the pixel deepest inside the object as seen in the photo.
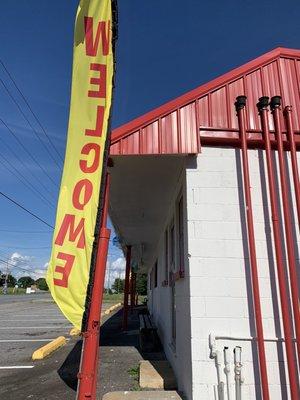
(42, 284)
(141, 284)
(26, 281)
(118, 285)
(11, 280)
(2, 278)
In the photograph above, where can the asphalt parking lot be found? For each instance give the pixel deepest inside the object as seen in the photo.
(27, 323)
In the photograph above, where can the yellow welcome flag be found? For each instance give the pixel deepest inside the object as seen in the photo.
(92, 80)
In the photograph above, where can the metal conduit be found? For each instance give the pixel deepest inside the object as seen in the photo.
(290, 243)
(263, 112)
(240, 108)
(291, 139)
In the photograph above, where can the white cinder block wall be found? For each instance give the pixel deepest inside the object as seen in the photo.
(220, 285)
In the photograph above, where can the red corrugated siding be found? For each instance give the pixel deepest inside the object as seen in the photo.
(174, 127)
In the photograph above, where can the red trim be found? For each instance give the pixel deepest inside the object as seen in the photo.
(229, 137)
(192, 95)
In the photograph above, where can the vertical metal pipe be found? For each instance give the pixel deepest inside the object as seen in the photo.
(227, 371)
(293, 376)
(240, 108)
(126, 288)
(87, 377)
(291, 139)
(275, 107)
(238, 372)
(106, 201)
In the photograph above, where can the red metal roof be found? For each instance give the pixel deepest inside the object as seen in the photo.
(174, 127)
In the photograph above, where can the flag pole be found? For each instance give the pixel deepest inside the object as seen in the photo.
(88, 370)
(87, 376)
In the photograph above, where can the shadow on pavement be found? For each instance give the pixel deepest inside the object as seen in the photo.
(111, 334)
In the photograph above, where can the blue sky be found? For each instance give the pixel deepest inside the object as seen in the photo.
(165, 48)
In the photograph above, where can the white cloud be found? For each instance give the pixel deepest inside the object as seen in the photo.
(114, 269)
(21, 265)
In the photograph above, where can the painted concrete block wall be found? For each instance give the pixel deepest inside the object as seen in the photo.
(220, 285)
(159, 303)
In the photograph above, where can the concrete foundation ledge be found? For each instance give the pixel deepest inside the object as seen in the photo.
(49, 348)
(143, 395)
(157, 375)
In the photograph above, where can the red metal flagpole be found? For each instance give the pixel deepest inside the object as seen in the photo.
(87, 377)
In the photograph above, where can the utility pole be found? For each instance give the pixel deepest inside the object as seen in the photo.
(6, 277)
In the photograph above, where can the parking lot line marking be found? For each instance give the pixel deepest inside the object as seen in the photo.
(25, 340)
(35, 327)
(35, 315)
(34, 320)
(18, 367)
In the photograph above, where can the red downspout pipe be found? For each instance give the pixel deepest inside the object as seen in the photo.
(240, 108)
(291, 139)
(87, 377)
(275, 107)
(293, 376)
(126, 288)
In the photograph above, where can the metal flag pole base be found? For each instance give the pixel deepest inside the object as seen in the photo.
(87, 376)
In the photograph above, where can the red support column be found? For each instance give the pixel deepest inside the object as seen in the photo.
(284, 297)
(290, 243)
(87, 377)
(132, 290)
(291, 139)
(240, 107)
(126, 288)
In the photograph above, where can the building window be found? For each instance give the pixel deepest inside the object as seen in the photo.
(150, 279)
(165, 282)
(172, 246)
(155, 275)
(180, 235)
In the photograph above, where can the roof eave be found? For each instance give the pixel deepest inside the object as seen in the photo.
(190, 96)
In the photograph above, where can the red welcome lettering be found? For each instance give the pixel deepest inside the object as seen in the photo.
(85, 186)
(87, 148)
(103, 31)
(100, 81)
(64, 270)
(68, 224)
(99, 123)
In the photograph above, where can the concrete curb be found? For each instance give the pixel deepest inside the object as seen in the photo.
(49, 348)
(110, 309)
(76, 332)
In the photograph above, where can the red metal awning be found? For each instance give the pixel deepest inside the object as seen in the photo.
(174, 127)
